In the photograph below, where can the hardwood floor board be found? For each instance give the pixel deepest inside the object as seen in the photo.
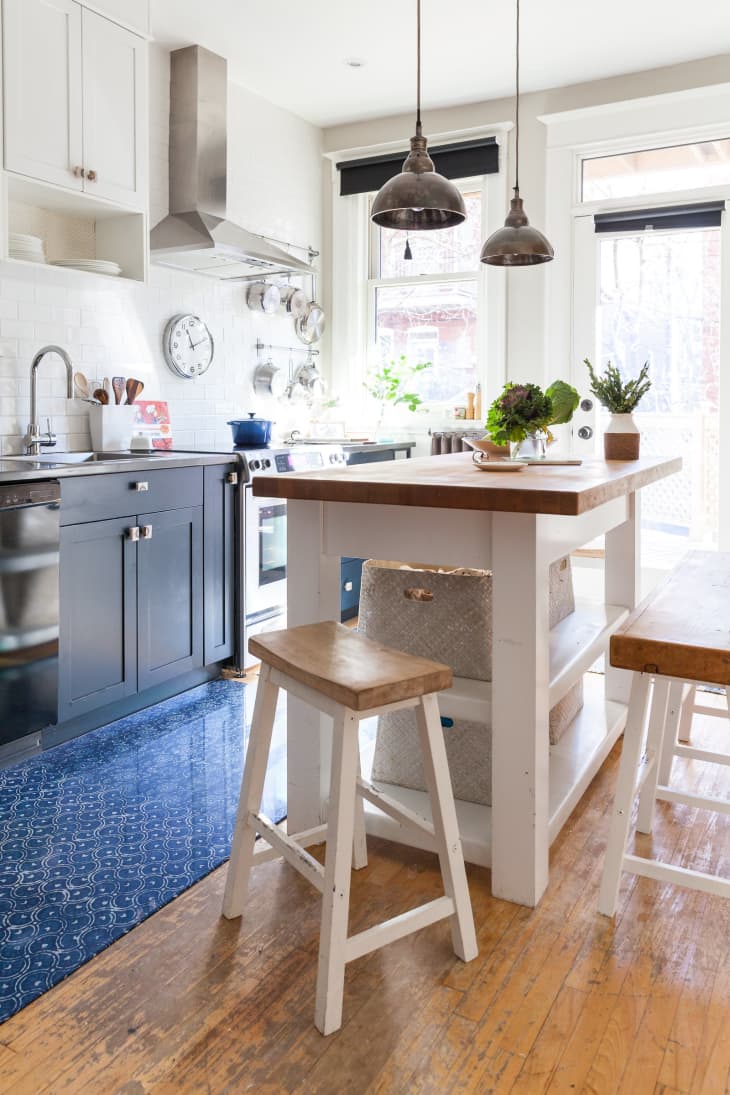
(417, 1041)
(685, 1040)
(547, 1050)
(713, 1060)
(647, 1053)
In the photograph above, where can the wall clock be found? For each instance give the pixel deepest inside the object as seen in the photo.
(188, 346)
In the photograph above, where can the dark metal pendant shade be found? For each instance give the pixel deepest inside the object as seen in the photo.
(518, 243)
(419, 198)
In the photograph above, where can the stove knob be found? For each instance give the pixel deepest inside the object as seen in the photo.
(255, 464)
(267, 463)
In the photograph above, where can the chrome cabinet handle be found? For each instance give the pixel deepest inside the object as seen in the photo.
(140, 486)
(146, 531)
(133, 533)
(232, 478)
(347, 587)
(91, 176)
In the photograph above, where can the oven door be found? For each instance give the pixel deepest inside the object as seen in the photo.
(265, 541)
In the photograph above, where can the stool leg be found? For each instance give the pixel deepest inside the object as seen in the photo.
(448, 842)
(252, 787)
(359, 840)
(337, 866)
(623, 801)
(654, 744)
(685, 724)
(674, 711)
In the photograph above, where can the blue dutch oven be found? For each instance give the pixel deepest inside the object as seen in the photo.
(251, 432)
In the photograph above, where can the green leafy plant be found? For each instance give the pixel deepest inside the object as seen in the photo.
(386, 384)
(615, 395)
(522, 409)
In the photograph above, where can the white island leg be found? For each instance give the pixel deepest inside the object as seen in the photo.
(520, 679)
(622, 585)
(313, 594)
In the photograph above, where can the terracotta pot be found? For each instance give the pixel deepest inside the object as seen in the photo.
(621, 441)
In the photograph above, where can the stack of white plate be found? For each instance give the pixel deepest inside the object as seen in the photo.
(26, 248)
(91, 266)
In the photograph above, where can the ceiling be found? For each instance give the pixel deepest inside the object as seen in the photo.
(294, 54)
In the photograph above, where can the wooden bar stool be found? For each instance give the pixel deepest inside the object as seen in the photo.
(678, 636)
(350, 678)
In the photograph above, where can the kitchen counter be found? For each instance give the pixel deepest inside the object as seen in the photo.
(443, 510)
(22, 469)
(379, 446)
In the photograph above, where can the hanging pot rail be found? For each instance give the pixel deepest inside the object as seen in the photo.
(291, 349)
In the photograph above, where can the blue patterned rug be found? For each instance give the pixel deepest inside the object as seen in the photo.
(101, 832)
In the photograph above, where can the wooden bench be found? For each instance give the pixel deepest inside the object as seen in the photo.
(350, 678)
(678, 636)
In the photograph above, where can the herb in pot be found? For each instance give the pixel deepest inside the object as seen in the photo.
(615, 395)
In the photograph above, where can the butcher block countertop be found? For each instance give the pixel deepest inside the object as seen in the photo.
(453, 482)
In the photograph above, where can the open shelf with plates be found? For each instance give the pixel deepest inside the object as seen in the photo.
(102, 239)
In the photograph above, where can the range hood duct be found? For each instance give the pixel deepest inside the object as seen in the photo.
(197, 235)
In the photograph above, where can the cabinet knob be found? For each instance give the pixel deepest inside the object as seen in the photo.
(347, 587)
(146, 531)
(232, 478)
(140, 486)
(91, 176)
(585, 433)
(133, 534)
(79, 172)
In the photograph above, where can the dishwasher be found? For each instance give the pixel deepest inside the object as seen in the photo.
(29, 614)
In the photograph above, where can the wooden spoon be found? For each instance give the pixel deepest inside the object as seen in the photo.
(134, 389)
(101, 396)
(118, 386)
(82, 386)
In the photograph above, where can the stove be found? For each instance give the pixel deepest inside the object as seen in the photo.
(292, 458)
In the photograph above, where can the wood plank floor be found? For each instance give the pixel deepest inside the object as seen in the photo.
(559, 1000)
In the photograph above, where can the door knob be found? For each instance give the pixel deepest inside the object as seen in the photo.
(586, 405)
(585, 433)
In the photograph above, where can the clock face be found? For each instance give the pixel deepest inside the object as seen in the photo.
(188, 346)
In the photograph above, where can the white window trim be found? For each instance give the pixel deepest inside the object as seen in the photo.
(353, 322)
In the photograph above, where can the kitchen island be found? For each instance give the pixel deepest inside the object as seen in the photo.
(444, 510)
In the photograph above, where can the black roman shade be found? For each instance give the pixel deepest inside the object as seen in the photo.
(698, 215)
(453, 161)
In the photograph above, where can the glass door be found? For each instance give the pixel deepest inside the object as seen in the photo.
(655, 296)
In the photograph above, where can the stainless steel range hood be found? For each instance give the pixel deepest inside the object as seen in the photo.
(197, 236)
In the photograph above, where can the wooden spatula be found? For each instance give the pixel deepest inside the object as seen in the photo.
(101, 396)
(134, 389)
(118, 387)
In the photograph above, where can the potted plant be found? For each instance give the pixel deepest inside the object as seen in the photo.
(387, 385)
(523, 414)
(622, 437)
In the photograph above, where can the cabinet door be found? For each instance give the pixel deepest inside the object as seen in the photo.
(169, 595)
(114, 112)
(42, 90)
(98, 603)
(219, 546)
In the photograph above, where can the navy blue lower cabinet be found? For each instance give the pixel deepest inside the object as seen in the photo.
(219, 545)
(169, 594)
(98, 616)
(351, 571)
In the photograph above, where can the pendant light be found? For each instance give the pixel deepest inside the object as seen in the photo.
(518, 243)
(419, 198)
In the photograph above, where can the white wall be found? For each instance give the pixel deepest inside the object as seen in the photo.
(112, 328)
(527, 357)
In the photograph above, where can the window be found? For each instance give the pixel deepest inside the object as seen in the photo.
(656, 170)
(425, 308)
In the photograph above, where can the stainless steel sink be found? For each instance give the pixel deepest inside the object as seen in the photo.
(88, 457)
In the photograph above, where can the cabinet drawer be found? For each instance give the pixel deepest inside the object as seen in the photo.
(124, 494)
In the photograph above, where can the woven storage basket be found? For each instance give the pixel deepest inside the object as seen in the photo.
(446, 614)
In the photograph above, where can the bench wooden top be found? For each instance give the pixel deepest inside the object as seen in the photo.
(348, 667)
(682, 629)
(453, 482)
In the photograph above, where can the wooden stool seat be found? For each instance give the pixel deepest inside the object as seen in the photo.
(348, 667)
(678, 636)
(350, 678)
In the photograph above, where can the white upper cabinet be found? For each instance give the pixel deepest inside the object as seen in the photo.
(42, 90)
(75, 100)
(114, 113)
(134, 14)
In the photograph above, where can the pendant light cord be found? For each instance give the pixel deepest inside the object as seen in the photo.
(418, 69)
(517, 102)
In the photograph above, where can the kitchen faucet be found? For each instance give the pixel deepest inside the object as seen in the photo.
(32, 439)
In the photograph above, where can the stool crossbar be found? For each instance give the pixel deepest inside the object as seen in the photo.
(669, 644)
(350, 678)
